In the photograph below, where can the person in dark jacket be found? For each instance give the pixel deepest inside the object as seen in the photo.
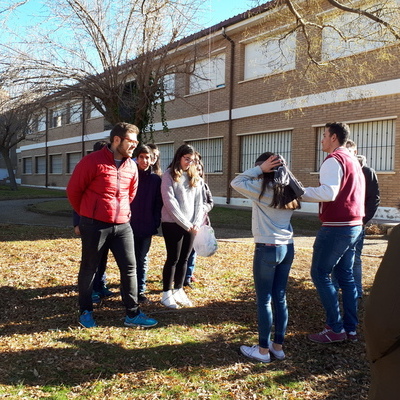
(372, 200)
(101, 189)
(146, 214)
(382, 324)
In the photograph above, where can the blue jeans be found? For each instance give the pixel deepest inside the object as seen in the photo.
(334, 250)
(191, 265)
(142, 247)
(271, 267)
(357, 266)
(357, 269)
(97, 237)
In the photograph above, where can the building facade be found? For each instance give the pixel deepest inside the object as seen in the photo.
(247, 92)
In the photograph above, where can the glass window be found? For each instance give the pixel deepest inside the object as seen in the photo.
(270, 56)
(353, 33)
(72, 160)
(56, 164)
(208, 74)
(211, 153)
(275, 142)
(27, 165)
(75, 113)
(40, 165)
(166, 154)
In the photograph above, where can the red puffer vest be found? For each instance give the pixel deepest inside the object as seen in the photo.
(98, 190)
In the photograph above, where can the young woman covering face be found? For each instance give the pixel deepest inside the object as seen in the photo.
(273, 202)
(181, 217)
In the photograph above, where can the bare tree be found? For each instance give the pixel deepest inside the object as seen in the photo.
(335, 39)
(113, 53)
(15, 125)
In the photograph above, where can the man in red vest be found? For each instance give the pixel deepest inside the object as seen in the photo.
(341, 196)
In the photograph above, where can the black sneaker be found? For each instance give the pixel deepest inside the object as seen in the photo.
(142, 298)
(188, 283)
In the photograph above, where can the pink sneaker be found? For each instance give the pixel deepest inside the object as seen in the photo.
(328, 336)
(352, 336)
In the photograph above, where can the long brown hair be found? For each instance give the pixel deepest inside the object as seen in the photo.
(283, 196)
(176, 169)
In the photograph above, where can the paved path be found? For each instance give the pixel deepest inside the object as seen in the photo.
(15, 212)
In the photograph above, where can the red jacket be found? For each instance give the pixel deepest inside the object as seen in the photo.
(98, 190)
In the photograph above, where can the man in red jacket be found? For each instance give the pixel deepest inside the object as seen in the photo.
(100, 190)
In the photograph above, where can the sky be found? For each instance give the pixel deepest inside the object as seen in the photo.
(220, 10)
(215, 10)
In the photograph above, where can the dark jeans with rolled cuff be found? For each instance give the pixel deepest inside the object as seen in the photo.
(97, 237)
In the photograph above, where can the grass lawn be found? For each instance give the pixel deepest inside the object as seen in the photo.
(192, 354)
(25, 192)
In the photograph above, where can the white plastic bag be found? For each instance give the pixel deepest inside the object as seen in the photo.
(205, 244)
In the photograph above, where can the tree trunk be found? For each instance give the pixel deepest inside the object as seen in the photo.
(6, 156)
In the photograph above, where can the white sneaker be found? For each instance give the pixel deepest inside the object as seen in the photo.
(254, 353)
(278, 354)
(181, 297)
(168, 299)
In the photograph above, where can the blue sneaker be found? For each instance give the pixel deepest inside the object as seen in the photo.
(141, 320)
(86, 319)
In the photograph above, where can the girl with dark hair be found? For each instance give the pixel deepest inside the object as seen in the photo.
(274, 194)
(145, 214)
(181, 217)
(155, 166)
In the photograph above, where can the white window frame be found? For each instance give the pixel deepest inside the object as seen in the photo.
(268, 56)
(254, 144)
(57, 117)
(211, 151)
(208, 74)
(375, 139)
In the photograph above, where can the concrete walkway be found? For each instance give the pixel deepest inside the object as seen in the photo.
(15, 212)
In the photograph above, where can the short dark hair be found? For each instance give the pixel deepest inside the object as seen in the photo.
(340, 129)
(121, 129)
(350, 144)
(143, 149)
(99, 145)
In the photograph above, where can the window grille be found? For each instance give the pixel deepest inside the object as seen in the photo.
(374, 139)
(211, 153)
(251, 146)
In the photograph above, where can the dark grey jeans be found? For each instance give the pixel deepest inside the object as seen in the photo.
(97, 237)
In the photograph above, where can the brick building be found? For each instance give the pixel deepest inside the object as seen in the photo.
(245, 93)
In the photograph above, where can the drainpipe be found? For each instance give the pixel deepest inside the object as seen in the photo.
(46, 157)
(83, 125)
(230, 106)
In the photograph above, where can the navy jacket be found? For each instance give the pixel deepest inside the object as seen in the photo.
(147, 204)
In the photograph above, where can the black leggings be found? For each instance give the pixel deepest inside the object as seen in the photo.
(179, 244)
